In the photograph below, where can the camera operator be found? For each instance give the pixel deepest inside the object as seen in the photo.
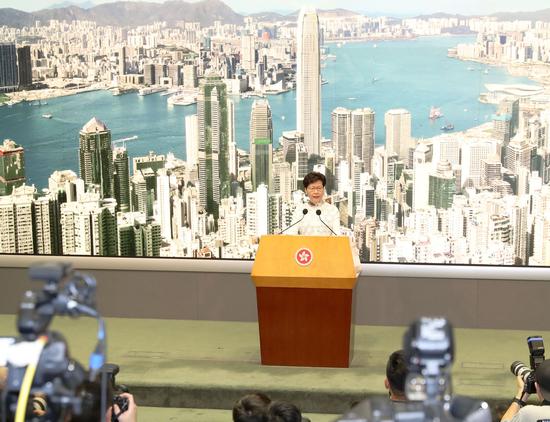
(129, 415)
(518, 410)
(396, 376)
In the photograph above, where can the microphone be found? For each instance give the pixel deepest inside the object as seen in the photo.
(304, 211)
(318, 212)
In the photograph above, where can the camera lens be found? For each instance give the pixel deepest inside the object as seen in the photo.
(519, 368)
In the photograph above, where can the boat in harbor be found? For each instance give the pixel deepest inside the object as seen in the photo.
(148, 90)
(448, 127)
(182, 100)
(47, 116)
(435, 113)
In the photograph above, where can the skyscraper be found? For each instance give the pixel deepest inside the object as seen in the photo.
(191, 139)
(121, 178)
(12, 166)
(96, 156)
(261, 144)
(24, 66)
(308, 80)
(341, 133)
(212, 110)
(362, 136)
(248, 52)
(442, 186)
(8, 67)
(398, 132)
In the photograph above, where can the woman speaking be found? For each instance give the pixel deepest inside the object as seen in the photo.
(316, 217)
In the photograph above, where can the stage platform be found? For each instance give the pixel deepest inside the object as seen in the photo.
(195, 370)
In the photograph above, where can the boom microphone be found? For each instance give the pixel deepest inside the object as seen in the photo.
(318, 212)
(304, 211)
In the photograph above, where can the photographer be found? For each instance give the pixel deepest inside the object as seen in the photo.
(129, 415)
(396, 376)
(519, 411)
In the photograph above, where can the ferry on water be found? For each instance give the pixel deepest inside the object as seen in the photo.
(448, 127)
(435, 113)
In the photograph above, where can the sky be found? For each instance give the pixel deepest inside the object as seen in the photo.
(395, 8)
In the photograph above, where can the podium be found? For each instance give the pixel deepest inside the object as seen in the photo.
(304, 292)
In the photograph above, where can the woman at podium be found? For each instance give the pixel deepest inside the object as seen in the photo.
(316, 217)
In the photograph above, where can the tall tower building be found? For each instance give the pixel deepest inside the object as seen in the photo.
(341, 133)
(47, 225)
(248, 52)
(308, 80)
(363, 136)
(12, 166)
(24, 66)
(191, 139)
(8, 67)
(517, 155)
(96, 156)
(190, 79)
(121, 179)
(442, 186)
(398, 132)
(212, 110)
(261, 144)
(122, 61)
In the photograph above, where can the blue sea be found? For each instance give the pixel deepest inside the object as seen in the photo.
(413, 74)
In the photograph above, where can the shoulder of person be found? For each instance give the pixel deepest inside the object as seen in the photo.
(533, 413)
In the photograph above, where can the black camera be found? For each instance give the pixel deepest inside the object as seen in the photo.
(44, 383)
(536, 357)
(429, 349)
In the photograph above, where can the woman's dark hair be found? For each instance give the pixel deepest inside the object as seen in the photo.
(313, 177)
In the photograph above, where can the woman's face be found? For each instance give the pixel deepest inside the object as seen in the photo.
(315, 192)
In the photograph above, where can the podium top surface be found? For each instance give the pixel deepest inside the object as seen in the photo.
(304, 261)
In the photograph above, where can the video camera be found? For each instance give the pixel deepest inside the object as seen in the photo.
(536, 357)
(429, 349)
(44, 383)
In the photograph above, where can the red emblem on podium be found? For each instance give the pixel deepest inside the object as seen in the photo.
(304, 257)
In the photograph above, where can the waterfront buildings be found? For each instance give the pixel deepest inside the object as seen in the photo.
(8, 67)
(308, 80)
(24, 66)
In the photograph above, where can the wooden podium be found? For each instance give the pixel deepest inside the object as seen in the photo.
(304, 292)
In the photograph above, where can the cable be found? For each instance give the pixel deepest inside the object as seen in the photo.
(24, 392)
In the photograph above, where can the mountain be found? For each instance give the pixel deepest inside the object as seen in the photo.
(441, 16)
(539, 15)
(82, 4)
(129, 13)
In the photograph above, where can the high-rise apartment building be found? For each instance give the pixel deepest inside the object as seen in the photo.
(12, 166)
(190, 79)
(398, 132)
(214, 137)
(261, 144)
(121, 179)
(341, 133)
(8, 67)
(96, 156)
(363, 136)
(308, 80)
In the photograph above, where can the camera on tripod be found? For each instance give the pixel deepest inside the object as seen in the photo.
(536, 357)
(429, 350)
(43, 380)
